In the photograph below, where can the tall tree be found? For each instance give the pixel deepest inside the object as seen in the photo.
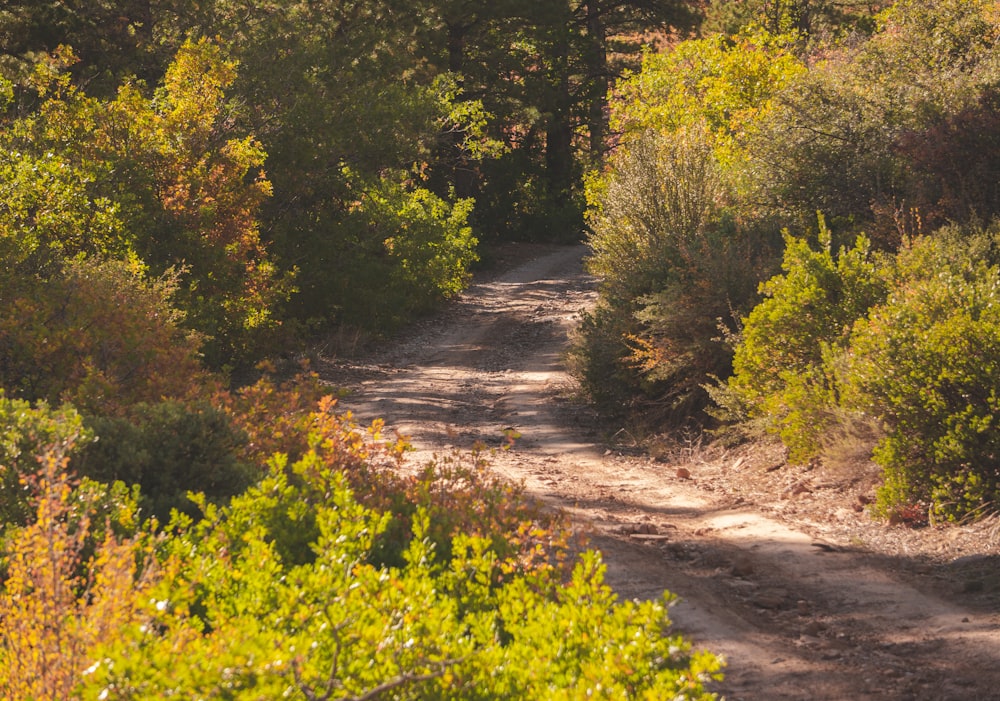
(542, 72)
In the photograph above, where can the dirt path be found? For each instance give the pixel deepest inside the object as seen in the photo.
(800, 609)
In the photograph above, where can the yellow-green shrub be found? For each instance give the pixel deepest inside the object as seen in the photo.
(225, 608)
(926, 365)
(781, 368)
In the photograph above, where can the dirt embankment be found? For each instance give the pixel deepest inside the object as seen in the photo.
(777, 568)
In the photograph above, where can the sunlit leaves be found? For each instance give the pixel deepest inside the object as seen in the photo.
(165, 178)
(925, 364)
(728, 83)
(674, 237)
(780, 365)
(58, 604)
(281, 592)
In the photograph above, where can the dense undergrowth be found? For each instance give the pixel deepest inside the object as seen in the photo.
(797, 235)
(330, 576)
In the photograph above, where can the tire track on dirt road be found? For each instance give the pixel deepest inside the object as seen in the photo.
(795, 618)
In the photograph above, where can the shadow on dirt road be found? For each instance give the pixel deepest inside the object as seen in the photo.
(795, 617)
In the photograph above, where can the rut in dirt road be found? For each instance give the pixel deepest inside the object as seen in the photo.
(795, 618)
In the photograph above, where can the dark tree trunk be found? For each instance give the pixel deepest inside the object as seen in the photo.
(559, 133)
(597, 61)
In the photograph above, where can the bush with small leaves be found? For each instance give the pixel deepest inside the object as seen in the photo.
(782, 361)
(459, 492)
(926, 365)
(168, 449)
(225, 607)
(678, 248)
(236, 616)
(398, 251)
(101, 335)
(674, 267)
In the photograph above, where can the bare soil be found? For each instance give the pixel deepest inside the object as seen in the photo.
(778, 568)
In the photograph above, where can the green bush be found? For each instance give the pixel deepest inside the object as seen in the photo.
(428, 249)
(48, 215)
(843, 137)
(674, 266)
(926, 364)
(782, 363)
(281, 593)
(24, 430)
(229, 615)
(168, 449)
(396, 252)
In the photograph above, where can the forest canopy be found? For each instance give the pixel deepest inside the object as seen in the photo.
(303, 165)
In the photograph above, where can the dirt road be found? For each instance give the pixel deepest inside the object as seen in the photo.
(799, 604)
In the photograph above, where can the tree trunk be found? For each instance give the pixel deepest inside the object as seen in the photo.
(559, 138)
(597, 61)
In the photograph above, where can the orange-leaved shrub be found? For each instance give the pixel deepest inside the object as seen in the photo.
(459, 492)
(165, 176)
(69, 586)
(99, 334)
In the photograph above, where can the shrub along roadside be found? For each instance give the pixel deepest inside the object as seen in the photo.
(925, 364)
(675, 267)
(907, 343)
(781, 371)
(168, 449)
(280, 594)
(678, 245)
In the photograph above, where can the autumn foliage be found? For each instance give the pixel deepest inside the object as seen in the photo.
(62, 600)
(99, 334)
(447, 584)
